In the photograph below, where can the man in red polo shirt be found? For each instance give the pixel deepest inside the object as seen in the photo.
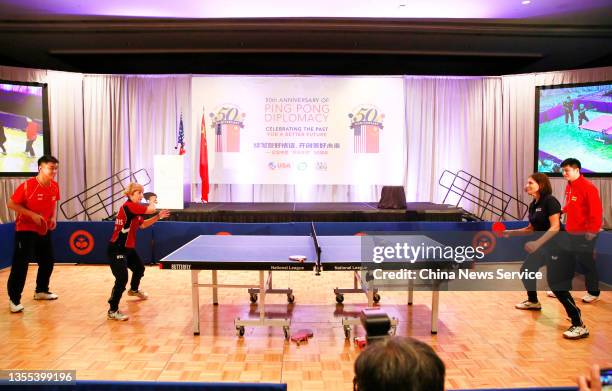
(583, 221)
(34, 201)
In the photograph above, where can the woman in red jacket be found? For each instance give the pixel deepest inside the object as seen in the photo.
(122, 246)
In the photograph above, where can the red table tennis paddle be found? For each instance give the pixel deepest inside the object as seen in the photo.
(301, 336)
(43, 227)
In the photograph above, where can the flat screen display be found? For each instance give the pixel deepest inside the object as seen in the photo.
(574, 120)
(24, 127)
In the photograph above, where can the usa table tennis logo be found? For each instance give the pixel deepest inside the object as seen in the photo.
(366, 123)
(81, 242)
(227, 122)
(279, 165)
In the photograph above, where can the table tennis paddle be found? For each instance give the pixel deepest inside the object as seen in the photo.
(43, 227)
(298, 258)
(301, 336)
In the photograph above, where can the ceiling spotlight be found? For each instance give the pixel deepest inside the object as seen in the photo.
(525, 2)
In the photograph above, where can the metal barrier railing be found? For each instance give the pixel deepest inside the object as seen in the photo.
(483, 194)
(102, 195)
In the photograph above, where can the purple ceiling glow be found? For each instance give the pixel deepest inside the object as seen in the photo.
(431, 9)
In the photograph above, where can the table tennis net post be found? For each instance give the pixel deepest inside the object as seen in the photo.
(313, 234)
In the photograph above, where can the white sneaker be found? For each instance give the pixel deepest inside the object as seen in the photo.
(527, 305)
(143, 295)
(576, 332)
(589, 298)
(116, 315)
(550, 294)
(15, 307)
(45, 296)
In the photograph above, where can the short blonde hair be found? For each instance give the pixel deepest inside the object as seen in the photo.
(132, 188)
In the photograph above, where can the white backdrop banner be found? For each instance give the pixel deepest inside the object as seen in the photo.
(302, 130)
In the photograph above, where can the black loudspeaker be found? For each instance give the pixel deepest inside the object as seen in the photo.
(392, 197)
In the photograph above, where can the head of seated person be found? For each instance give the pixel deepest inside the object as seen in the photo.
(399, 364)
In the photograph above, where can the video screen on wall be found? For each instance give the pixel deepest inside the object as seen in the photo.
(574, 120)
(24, 127)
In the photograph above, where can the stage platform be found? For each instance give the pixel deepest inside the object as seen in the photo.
(281, 212)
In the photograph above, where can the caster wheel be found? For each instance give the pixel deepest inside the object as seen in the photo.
(347, 332)
(340, 298)
(290, 298)
(253, 298)
(376, 297)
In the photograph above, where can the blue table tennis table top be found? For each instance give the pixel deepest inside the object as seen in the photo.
(253, 252)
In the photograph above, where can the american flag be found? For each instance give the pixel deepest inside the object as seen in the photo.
(366, 138)
(180, 138)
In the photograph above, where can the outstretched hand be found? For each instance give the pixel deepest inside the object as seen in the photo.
(164, 213)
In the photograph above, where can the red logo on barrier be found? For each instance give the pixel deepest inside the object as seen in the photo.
(81, 242)
(224, 233)
(486, 240)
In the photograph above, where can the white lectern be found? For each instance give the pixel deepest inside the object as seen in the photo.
(168, 178)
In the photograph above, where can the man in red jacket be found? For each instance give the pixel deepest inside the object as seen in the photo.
(583, 213)
(584, 218)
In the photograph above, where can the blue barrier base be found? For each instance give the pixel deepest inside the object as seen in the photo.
(86, 242)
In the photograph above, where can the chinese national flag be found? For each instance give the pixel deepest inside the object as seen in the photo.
(204, 160)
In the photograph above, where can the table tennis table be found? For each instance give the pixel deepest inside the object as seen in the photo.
(271, 253)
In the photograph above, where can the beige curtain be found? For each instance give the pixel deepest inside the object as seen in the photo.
(66, 117)
(449, 121)
(127, 120)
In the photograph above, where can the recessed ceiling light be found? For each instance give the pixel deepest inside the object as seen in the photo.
(525, 2)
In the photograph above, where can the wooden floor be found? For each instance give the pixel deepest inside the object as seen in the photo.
(482, 339)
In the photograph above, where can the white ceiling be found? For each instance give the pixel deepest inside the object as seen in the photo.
(410, 9)
(449, 37)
